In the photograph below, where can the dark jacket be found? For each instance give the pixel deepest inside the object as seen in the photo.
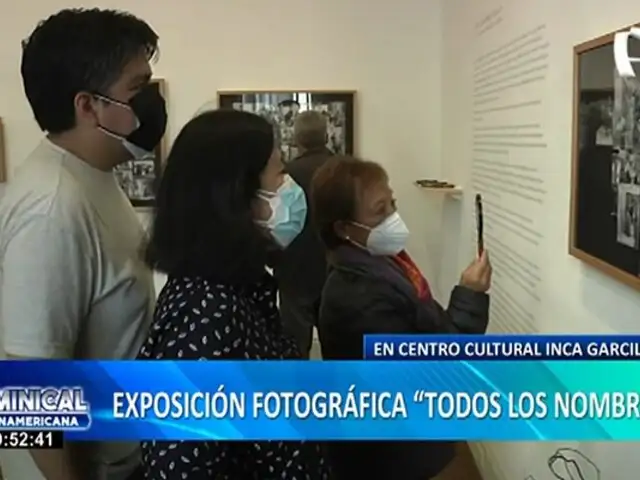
(368, 294)
(301, 269)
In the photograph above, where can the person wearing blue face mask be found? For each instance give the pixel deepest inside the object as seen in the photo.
(223, 204)
(286, 214)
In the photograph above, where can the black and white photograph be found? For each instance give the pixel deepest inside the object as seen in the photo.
(144, 168)
(281, 109)
(625, 157)
(618, 160)
(623, 115)
(626, 169)
(605, 182)
(139, 178)
(125, 179)
(604, 133)
(628, 221)
(596, 119)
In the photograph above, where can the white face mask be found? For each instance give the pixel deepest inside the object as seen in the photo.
(389, 237)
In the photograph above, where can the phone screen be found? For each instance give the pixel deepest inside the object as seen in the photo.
(479, 224)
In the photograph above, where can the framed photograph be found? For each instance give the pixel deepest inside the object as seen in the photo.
(628, 217)
(281, 108)
(139, 178)
(3, 167)
(605, 186)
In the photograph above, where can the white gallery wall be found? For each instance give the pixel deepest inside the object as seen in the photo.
(507, 113)
(388, 52)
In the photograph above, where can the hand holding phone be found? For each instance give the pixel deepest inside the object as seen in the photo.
(479, 224)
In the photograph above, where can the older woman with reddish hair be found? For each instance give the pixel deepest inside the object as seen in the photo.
(375, 287)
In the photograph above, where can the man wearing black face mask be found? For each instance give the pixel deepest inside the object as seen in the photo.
(72, 284)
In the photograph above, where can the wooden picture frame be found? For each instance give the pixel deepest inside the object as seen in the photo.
(281, 106)
(3, 166)
(604, 225)
(139, 178)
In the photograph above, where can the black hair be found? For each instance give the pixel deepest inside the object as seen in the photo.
(288, 103)
(203, 222)
(78, 50)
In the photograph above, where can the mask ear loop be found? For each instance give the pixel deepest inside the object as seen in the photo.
(120, 104)
(361, 226)
(352, 241)
(112, 101)
(267, 194)
(273, 202)
(370, 229)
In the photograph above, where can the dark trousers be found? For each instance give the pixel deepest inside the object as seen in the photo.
(137, 475)
(298, 318)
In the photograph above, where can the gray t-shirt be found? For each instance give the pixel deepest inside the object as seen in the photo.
(72, 281)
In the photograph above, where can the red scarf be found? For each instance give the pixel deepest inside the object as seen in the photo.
(414, 275)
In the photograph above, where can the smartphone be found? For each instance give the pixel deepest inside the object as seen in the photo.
(479, 224)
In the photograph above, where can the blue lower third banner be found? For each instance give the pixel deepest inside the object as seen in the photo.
(281, 400)
(502, 347)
